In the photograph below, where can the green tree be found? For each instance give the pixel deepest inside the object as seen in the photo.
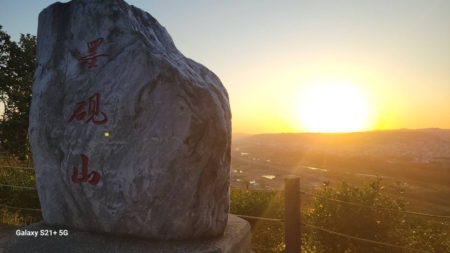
(17, 64)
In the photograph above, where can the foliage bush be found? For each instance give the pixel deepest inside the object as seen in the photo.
(354, 220)
(18, 197)
(378, 225)
(265, 234)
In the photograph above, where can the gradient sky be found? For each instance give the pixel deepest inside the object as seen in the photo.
(269, 53)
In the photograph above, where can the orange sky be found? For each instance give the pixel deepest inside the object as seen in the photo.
(269, 56)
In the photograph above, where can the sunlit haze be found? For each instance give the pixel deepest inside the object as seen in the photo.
(298, 66)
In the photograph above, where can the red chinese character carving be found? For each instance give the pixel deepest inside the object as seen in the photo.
(93, 178)
(92, 57)
(93, 110)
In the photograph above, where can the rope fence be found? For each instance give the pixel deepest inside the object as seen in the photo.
(290, 195)
(330, 232)
(361, 239)
(16, 186)
(20, 187)
(360, 205)
(20, 208)
(14, 167)
(376, 208)
(258, 218)
(293, 234)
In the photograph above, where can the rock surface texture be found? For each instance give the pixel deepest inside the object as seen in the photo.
(128, 136)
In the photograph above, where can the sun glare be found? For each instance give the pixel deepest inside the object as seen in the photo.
(334, 107)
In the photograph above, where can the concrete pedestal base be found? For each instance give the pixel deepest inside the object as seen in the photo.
(235, 240)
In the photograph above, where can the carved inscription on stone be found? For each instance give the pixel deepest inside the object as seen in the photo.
(93, 111)
(93, 178)
(91, 58)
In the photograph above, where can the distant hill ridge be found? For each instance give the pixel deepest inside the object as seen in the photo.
(239, 136)
(375, 137)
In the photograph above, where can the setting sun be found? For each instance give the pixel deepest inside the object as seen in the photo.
(334, 107)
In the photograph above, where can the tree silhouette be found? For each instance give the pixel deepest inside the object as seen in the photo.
(17, 64)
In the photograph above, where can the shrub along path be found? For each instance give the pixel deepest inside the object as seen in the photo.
(5, 234)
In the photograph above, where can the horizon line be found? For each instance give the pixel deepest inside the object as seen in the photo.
(378, 130)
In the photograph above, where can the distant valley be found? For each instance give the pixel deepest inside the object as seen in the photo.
(419, 160)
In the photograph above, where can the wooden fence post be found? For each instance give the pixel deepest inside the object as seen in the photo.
(292, 214)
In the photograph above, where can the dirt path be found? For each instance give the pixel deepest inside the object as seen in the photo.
(5, 234)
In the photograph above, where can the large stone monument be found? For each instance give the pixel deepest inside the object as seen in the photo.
(129, 137)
